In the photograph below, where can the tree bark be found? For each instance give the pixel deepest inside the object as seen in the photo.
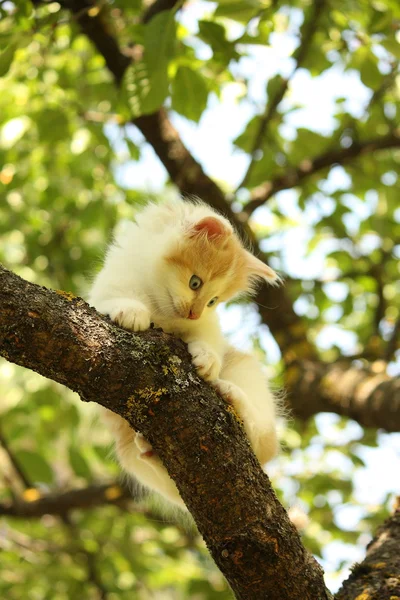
(148, 379)
(371, 398)
(378, 576)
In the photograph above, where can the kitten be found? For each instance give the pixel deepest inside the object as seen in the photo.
(172, 268)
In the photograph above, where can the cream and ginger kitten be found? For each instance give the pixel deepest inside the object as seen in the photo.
(172, 267)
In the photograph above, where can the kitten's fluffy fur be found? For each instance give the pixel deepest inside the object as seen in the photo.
(146, 278)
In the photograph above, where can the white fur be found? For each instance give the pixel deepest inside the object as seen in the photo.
(136, 287)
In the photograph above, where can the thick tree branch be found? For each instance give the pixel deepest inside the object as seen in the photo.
(371, 398)
(149, 380)
(311, 166)
(377, 577)
(93, 24)
(184, 170)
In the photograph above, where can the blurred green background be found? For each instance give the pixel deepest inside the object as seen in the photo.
(269, 84)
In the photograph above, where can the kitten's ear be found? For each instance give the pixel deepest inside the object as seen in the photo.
(211, 227)
(258, 269)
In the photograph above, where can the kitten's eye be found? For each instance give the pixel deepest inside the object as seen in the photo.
(195, 282)
(212, 301)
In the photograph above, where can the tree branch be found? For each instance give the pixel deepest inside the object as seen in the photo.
(307, 32)
(94, 26)
(30, 492)
(371, 398)
(309, 167)
(394, 341)
(184, 170)
(61, 503)
(157, 129)
(148, 379)
(378, 575)
(156, 7)
(21, 475)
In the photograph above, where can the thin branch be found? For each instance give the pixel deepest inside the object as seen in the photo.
(16, 466)
(64, 516)
(309, 167)
(307, 32)
(381, 306)
(61, 503)
(394, 342)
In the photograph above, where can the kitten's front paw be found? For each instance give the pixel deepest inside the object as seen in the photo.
(230, 392)
(131, 314)
(205, 360)
(144, 446)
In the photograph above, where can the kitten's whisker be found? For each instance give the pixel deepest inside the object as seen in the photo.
(264, 306)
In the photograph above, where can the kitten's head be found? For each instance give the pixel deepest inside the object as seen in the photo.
(206, 266)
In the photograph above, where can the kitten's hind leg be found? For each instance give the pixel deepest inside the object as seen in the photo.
(243, 384)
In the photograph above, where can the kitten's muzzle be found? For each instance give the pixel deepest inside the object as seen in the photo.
(193, 316)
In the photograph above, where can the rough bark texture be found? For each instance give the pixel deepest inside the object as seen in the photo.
(371, 398)
(378, 576)
(149, 380)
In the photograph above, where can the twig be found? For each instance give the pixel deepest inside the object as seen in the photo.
(21, 475)
(309, 167)
(306, 36)
(393, 343)
(64, 517)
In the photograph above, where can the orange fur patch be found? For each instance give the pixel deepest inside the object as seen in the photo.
(220, 258)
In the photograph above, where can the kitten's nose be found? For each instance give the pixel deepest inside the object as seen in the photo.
(193, 316)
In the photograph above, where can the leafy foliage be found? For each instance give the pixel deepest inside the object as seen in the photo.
(64, 132)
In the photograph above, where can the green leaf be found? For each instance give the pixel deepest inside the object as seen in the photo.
(237, 11)
(159, 41)
(146, 82)
(274, 85)
(53, 125)
(6, 58)
(214, 35)
(366, 63)
(189, 93)
(145, 95)
(392, 46)
(134, 150)
(79, 464)
(245, 141)
(35, 467)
